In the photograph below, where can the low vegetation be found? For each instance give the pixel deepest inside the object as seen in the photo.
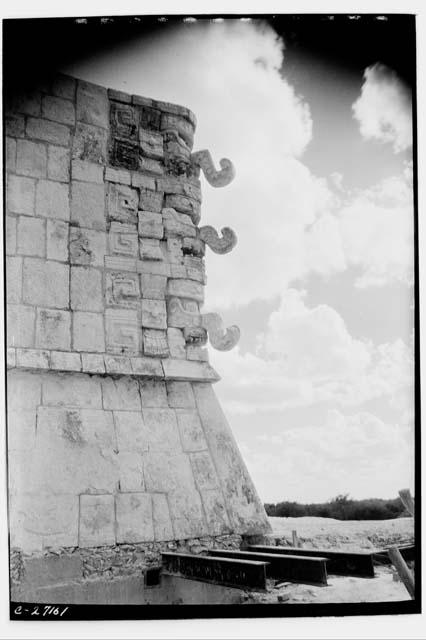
(342, 507)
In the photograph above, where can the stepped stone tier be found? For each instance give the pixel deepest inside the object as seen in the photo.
(115, 435)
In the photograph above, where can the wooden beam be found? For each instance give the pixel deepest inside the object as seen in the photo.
(403, 571)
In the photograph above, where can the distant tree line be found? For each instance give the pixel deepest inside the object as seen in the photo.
(342, 507)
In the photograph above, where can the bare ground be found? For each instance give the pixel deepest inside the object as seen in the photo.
(355, 535)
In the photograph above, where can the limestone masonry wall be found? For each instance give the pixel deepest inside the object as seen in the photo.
(115, 435)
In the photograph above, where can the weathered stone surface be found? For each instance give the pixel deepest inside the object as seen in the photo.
(150, 117)
(194, 352)
(23, 390)
(122, 289)
(121, 394)
(195, 269)
(20, 195)
(161, 517)
(63, 86)
(124, 122)
(153, 287)
(216, 178)
(179, 395)
(53, 329)
(142, 181)
(63, 361)
(176, 123)
(10, 235)
(86, 289)
(151, 144)
(48, 570)
(178, 224)
(32, 358)
(88, 205)
(52, 200)
(48, 131)
(117, 364)
(172, 185)
(92, 363)
(175, 257)
(219, 337)
(154, 314)
(31, 159)
(184, 205)
(58, 163)
(26, 101)
(45, 283)
(124, 153)
(88, 331)
(90, 143)
(154, 267)
(150, 225)
(31, 236)
(97, 520)
(92, 104)
(123, 332)
(122, 203)
(119, 263)
(123, 239)
(70, 389)
(14, 279)
(130, 431)
(122, 176)
(168, 473)
(183, 313)
(87, 171)
(153, 394)
(187, 513)
(10, 154)
(150, 249)
(21, 430)
(130, 466)
(58, 109)
(204, 472)
(191, 431)
(20, 325)
(148, 165)
(87, 247)
(148, 367)
(134, 517)
(189, 370)
(155, 343)
(15, 125)
(215, 512)
(188, 289)
(163, 434)
(151, 200)
(176, 343)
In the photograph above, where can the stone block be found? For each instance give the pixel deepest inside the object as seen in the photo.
(123, 239)
(32, 358)
(72, 389)
(27, 101)
(147, 367)
(90, 143)
(176, 343)
(63, 86)
(178, 224)
(92, 104)
(53, 329)
(150, 249)
(14, 125)
(175, 257)
(180, 395)
(88, 205)
(88, 331)
(183, 204)
(153, 394)
(38, 521)
(86, 289)
(153, 287)
(185, 528)
(122, 289)
(194, 352)
(21, 430)
(122, 176)
(46, 283)
(52, 200)
(150, 225)
(153, 267)
(183, 313)
(97, 521)
(154, 314)
(215, 512)
(151, 144)
(58, 163)
(134, 518)
(63, 361)
(124, 153)
(166, 472)
(11, 235)
(120, 96)
(87, 247)
(142, 181)
(130, 431)
(150, 200)
(186, 506)
(177, 270)
(204, 472)
(31, 236)
(117, 365)
(87, 171)
(119, 263)
(177, 123)
(31, 159)
(155, 343)
(124, 124)
(20, 195)
(163, 529)
(177, 186)
(23, 390)
(190, 429)
(150, 117)
(122, 203)
(189, 370)
(92, 363)
(13, 279)
(58, 109)
(163, 434)
(57, 240)
(188, 289)
(195, 269)
(48, 131)
(121, 394)
(10, 154)
(20, 326)
(130, 467)
(123, 332)
(154, 167)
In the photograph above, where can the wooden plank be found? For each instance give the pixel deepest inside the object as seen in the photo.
(403, 571)
(304, 570)
(338, 562)
(243, 574)
(407, 500)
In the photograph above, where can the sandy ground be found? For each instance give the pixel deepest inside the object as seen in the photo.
(344, 535)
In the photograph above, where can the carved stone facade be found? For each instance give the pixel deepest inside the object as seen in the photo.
(105, 288)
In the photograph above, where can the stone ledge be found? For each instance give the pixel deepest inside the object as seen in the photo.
(110, 364)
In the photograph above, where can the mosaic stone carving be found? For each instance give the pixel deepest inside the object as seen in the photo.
(215, 178)
(220, 339)
(196, 336)
(222, 245)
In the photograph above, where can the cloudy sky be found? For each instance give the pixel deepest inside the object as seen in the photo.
(319, 392)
